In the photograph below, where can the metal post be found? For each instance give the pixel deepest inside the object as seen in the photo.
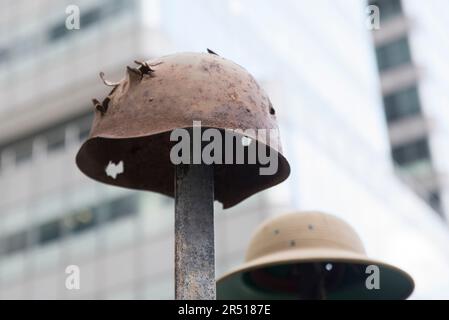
(194, 232)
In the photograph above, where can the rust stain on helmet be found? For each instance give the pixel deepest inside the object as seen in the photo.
(134, 122)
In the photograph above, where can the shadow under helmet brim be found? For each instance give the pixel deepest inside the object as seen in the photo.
(147, 166)
(395, 284)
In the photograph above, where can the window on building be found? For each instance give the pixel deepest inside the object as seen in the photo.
(83, 133)
(90, 17)
(4, 55)
(393, 54)
(16, 242)
(87, 18)
(58, 31)
(411, 152)
(122, 207)
(388, 8)
(434, 200)
(1, 160)
(401, 104)
(116, 6)
(84, 125)
(55, 139)
(73, 223)
(49, 231)
(23, 151)
(82, 221)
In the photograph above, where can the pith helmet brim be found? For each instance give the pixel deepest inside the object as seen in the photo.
(394, 282)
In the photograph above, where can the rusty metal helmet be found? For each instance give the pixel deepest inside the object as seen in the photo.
(310, 255)
(132, 125)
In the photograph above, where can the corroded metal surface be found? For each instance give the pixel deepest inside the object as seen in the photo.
(133, 123)
(194, 233)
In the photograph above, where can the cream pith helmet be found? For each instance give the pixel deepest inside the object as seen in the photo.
(310, 255)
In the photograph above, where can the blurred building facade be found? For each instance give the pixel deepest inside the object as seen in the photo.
(408, 112)
(317, 63)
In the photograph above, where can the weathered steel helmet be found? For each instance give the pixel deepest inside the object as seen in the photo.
(133, 123)
(310, 256)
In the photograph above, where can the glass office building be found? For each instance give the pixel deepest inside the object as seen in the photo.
(318, 64)
(407, 113)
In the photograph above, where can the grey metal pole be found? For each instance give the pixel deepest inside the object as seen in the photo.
(194, 232)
